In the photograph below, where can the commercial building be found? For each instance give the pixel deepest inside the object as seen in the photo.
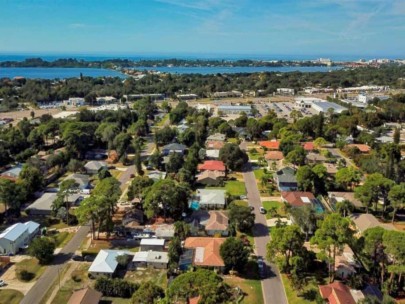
(231, 109)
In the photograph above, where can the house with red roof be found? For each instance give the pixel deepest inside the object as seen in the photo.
(308, 146)
(270, 144)
(212, 165)
(297, 198)
(362, 148)
(274, 159)
(206, 251)
(337, 293)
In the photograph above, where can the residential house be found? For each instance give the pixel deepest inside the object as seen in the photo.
(165, 231)
(133, 219)
(94, 166)
(209, 198)
(270, 144)
(216, 137)
(85, 296)
(17, 237)
(217, 224)
(43, 205)
(210, 178)
(298, 198)
(105, 263)
(346, 264)
(337, 292)
(364, 221)
(214, 144)
(174, 148)
(331, 169)
(13, 173)
(274, 159)
(151, 259)
(82, 180)
(285, 179)
(206, 251)
(212, 165)
(337, 197)
(362, 148)
(315, 158)
(308, 146)
(212, 154)
(152, 244)
(157, 175)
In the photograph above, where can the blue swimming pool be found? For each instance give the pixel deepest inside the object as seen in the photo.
(195, 205)
(318, 206)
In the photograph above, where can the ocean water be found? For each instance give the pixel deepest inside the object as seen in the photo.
(60, 73)
(234, 70)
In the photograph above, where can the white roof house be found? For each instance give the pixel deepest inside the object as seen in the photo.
(152, 242)
(13, 232)
(208, 198)
(151, 257)
(106, 261)
(17, 236)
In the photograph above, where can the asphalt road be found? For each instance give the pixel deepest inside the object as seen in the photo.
(272, 286)
(38, 291)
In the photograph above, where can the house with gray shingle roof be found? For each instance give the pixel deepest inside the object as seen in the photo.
(174, 148)
(105, 263)
(94, 166)
(285, 179)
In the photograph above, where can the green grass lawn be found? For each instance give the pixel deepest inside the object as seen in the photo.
(251, 288)
(158, 276)
(62, 238)
(162, 122)
(241, 203)
(233, 140)
(308, 295)
(111, 300)
(10, 296)
(259, 173)
(59, 225)
(235, 188)
(31, 265)
(272, 204)
(77, 280)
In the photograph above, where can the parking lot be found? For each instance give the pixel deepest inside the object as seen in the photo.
(283, 109)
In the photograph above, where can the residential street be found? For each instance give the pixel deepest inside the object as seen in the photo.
(38, 291)
(272, 286)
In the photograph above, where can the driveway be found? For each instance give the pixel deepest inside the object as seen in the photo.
(41, 286)
(125, 177)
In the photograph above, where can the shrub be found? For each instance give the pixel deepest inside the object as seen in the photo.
(25, 275)
(115, 287)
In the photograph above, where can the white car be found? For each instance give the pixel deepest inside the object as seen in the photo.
(2, 283)
(262, 210)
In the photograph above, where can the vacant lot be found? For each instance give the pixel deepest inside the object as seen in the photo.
(32, 266)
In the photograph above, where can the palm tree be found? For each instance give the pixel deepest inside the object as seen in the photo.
(344, 207)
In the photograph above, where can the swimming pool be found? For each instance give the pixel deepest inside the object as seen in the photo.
(195, 205)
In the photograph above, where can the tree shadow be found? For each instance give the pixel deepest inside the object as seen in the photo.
(61, 258)
(310, 295)
(260, 230)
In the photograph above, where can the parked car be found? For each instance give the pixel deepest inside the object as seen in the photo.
(262, 210)
(89, 258)
(76, 257)
(243, 197)
(252, 208)
(260, 263)
(2, 283)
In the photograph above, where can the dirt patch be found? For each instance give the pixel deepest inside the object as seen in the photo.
(9, 276)
(19, 115)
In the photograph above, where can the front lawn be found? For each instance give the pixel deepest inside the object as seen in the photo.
(235, 188)
(10, 296)
(259, 173)
(251, 288)
(62, 238)
(77, 280)
(241, 203)
(273, 205)
(308, 295)
(30, 265)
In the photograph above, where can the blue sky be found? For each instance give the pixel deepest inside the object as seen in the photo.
(307, 27)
